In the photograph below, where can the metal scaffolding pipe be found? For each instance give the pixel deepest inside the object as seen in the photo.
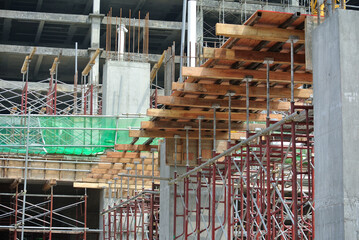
(236, 147)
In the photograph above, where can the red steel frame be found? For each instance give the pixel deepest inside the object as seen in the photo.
(263, 191)
(89, 92)
(51, 98)
(14, 211)
(135, 219)
(24, 99)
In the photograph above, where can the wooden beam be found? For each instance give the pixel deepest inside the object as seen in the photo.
(105, 185)
(184, 114)
(48, 184)
(207, 103)
(15, 183)
(157, 66)
(182, 134)
(251, 56)
(92, 61)
(240, 74)
(128, 154)
(213, 89)
(129, 147)
(171, 125)
(123, 161)
(258, 33)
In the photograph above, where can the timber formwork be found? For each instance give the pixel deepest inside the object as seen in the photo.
(255, 94)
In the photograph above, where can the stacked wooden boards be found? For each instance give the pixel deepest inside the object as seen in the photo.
(264, 36)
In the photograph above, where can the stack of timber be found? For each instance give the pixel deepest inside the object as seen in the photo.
(264, 36)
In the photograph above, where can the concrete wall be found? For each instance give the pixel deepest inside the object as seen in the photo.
(126, 88)
(336, 106)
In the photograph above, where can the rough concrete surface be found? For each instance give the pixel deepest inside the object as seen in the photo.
(336, 107)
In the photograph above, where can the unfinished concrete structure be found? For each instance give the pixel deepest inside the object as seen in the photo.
(140, 134)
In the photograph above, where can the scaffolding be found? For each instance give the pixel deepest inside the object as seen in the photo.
(260, 188)
(44, 214)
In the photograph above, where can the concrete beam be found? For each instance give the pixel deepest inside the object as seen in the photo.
(66, 52)
(47, 17)
(82, 19)
(239, 8)
(153, 24)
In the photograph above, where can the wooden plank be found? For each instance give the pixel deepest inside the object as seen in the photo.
(207, 103)
(48, 184)
(123, 154)
(240, 74)
(191, 135)
(157, 66)
(251, 56)
(105, 185)
(213, 89)
(171, 125)
(184, 114)
(130, 147)
(258, 33)
(119, 161)
(132, 155)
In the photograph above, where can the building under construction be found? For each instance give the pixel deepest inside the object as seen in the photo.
(182, 119)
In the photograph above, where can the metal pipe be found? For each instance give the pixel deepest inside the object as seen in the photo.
(25, 175)
(187, 145)
(44, 195)
(214, 106)
(291, 71)
(75, 80)
(69, 128)
(145, 177)
(153, 164)
(48, 161)
(121, 41)
(267, 62)
(183, 35)
(47, 169)
(109, 193)
(121, 177)
(200, 138)
(247, 79)
(115, 188)
(229, 94)
(129, 200)
(176, 137)
(143, 172)
(192, 33)
(136, 175)
(273, 127)
(128, 182)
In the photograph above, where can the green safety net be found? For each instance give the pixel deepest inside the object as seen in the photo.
(73, 135)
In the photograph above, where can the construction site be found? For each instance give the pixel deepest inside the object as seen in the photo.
(181, 119)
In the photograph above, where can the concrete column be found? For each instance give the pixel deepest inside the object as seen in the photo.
(167, 199)
(96, 19)
(336, 107)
